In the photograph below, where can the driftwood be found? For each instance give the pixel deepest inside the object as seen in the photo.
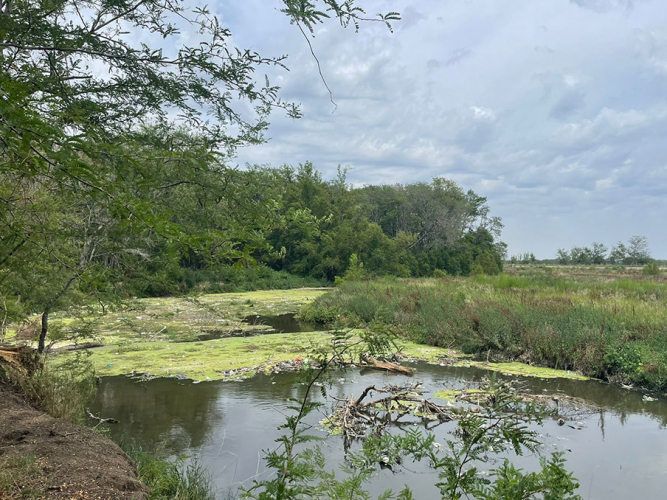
(354, 417)
(371, 362)
(101, 420)
(78, 347)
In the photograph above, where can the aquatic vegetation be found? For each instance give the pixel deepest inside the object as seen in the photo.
(181, 318)
(524, 370)
(158, 338)
(229, 358)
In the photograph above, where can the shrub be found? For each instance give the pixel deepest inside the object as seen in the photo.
(440, 273)
(355, 271)
(651, 269)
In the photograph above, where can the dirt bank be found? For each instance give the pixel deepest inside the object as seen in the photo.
(46, 457)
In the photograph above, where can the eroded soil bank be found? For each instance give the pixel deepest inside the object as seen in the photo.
(46, 457)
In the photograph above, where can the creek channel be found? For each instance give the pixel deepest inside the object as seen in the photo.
(617, 451)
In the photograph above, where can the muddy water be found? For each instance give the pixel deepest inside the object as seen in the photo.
(620, 453)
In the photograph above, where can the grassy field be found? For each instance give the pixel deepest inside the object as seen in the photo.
(601, 326)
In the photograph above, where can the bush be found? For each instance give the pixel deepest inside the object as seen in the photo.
(355, 271)
(440, 273)
(651, 269)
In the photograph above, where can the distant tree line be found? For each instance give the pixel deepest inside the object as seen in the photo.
(524, 258)
(635, 252)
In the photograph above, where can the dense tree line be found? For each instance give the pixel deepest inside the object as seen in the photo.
(312, 226)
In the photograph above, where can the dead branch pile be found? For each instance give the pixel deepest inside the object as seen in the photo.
(354, 417)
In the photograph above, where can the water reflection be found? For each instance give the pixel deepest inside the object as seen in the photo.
(621, 452)
(284, 323)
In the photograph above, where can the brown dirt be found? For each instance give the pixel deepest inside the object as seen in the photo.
(46, 457)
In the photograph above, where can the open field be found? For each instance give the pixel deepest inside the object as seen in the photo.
(602, 272)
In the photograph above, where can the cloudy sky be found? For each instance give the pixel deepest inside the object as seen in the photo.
(556, 110)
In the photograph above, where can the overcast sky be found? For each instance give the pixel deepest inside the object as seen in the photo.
(555, 110)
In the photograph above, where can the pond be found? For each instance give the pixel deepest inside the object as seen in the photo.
(620, 453)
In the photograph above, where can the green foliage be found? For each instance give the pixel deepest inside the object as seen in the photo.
(651, 269)
(552, 482)
(355, 271)
(440, 273)
(169, 480)
(605, 329)
(634, 253)
(625, 360)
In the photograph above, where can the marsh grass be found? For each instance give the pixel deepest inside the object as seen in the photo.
(171, 480)
(610, 329)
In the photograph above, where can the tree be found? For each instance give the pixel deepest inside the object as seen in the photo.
(598, 253)
(638, 251)
(581, 255)
(563, 256)
(619, 254)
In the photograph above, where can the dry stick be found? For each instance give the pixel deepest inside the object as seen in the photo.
(101, 420)
(319, 68)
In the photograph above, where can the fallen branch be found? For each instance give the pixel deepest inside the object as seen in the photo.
(101, 420)
(371, 362)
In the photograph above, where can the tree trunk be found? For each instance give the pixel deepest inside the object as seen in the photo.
(45, 329)
(45, 315)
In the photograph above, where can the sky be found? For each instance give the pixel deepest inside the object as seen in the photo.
(555, 110)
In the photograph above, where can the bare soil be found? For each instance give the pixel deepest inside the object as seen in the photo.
(46, 457)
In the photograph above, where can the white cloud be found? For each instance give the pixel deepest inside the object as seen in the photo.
(554, 112)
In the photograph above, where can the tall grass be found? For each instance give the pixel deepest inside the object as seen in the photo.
(616, 330)
(171, 480)
(63, 389)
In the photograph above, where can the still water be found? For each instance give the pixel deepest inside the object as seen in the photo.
(620, 453)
